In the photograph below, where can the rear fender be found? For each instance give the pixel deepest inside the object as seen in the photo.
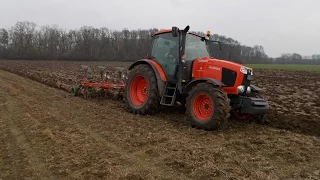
(157, 69)
(201, 80)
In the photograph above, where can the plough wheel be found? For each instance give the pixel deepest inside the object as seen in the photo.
(88, 92)
(75, 91)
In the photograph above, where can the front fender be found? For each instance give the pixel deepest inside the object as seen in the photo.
(201, 80)
(157, 69)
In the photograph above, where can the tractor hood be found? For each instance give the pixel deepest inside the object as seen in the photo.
(231, 74)
(213, 63)
(233, 66)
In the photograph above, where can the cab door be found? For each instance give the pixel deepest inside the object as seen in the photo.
(165, 50)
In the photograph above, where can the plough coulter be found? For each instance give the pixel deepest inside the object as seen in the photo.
(110, 82)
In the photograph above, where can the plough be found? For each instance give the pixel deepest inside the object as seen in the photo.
(110, 82)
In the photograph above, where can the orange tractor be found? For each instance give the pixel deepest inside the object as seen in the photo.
(179, 69)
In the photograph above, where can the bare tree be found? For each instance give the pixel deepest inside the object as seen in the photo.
(26, 41)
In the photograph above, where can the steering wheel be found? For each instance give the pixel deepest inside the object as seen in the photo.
(170, 58)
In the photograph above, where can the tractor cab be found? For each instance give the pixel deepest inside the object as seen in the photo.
(167, 51)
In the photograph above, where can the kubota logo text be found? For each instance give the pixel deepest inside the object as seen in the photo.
(215, 68)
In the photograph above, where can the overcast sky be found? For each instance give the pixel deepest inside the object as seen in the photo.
(280, 26)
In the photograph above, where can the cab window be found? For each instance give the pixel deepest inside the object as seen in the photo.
(163, 44)
(195, 47)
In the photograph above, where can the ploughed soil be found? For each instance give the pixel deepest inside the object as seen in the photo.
(45, 133)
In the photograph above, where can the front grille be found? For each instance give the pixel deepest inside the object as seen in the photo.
(247, 78)
(245, 81)
(228, 77)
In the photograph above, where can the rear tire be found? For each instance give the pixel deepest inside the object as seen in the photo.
(207, 107)
(141, 91)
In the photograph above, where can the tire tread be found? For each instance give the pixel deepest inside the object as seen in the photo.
(153, 102)
(222, 107)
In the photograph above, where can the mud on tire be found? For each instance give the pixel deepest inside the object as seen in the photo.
(216, 98)
(151, 102)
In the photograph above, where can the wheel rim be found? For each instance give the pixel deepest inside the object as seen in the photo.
(139, 90)
(241, 116)
(202, 107)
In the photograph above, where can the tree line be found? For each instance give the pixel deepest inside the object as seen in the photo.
(26, 40)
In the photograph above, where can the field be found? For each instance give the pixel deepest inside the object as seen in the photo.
(45, 133)
(286, 67)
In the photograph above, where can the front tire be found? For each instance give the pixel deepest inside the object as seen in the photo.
(141, 91)
(207, 107)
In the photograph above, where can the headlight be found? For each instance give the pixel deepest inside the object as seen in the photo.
(248, 89)
(243, 70)
(241, 89)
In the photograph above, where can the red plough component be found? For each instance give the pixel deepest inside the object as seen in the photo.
(110, 82)
(103, 85)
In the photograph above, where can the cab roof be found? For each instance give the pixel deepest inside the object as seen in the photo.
(170, 30)
(163, 31)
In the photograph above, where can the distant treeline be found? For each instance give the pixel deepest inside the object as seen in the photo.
(26, 40)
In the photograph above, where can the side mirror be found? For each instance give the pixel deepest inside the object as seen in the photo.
(175, 31)
(186, 29)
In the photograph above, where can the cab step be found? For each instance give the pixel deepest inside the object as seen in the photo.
(169, 94)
